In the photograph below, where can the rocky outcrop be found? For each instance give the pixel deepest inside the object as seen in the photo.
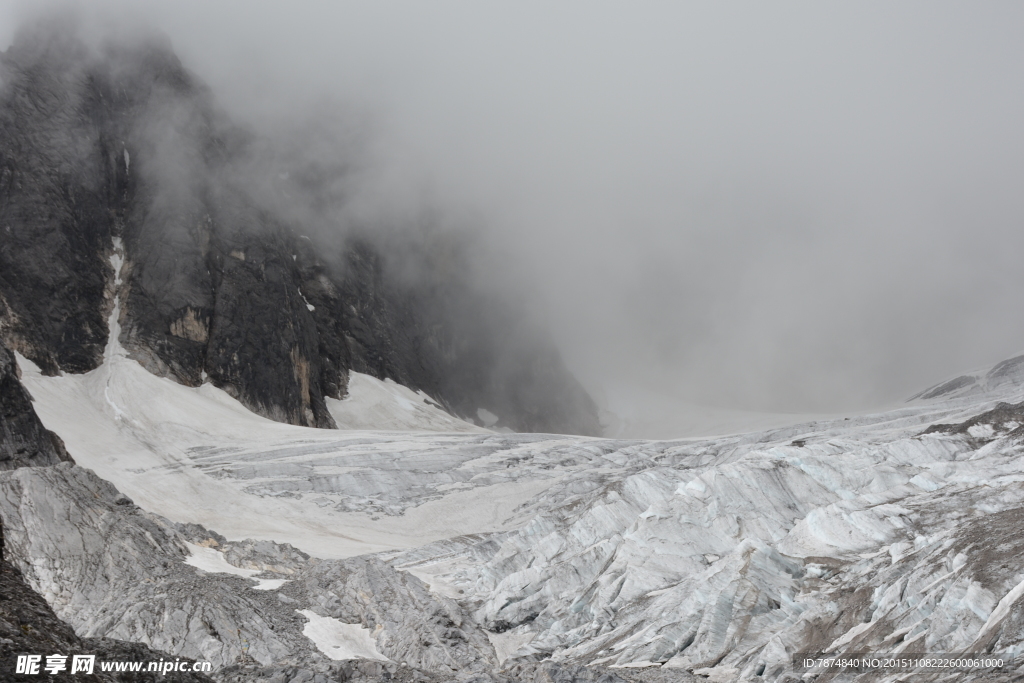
(23, 439)
(116, 154)
(54, 217)
(28, 626)
(111, 570)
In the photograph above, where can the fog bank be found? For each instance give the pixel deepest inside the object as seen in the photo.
(793, 207)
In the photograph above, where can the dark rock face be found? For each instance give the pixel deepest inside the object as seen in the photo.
(120, 145)
(23, 439)
(54, 223)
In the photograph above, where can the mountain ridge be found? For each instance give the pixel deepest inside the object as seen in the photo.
(218, 281)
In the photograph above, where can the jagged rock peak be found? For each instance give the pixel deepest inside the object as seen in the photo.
(129, 201)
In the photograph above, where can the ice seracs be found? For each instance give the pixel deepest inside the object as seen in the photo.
(896, 531)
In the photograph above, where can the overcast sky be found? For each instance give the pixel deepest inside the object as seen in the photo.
(785, 206)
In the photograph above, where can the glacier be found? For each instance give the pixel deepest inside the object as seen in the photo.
(200, 528)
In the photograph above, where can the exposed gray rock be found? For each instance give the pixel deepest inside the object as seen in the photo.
(110, 569)
(1006, 419)
(411, 624)
(54, 191)
(364, 672)
(29, 627)
(264, 556)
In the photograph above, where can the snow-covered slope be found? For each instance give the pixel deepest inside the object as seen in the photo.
(1002, 376)
(375, 404)
(197, 455)
(724, 556)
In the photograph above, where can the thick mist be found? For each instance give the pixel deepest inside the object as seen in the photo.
(794, 207)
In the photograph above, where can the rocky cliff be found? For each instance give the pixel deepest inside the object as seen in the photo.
(233, 269)
(23, 439)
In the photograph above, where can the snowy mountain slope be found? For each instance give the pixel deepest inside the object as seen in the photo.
(23, 439)
(387, 405)
(894, 531)
(650, 414)
(886, 532)
(196, 455)
(425, 549)
(643, 570)
(1007, 373)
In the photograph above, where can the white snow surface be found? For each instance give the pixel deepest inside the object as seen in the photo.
(197, 455)
(338, 640)
(212, 561)
(721, 555)
(384, 404)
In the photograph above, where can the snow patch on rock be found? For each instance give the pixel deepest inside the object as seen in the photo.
(338, 640)
(213, 562)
